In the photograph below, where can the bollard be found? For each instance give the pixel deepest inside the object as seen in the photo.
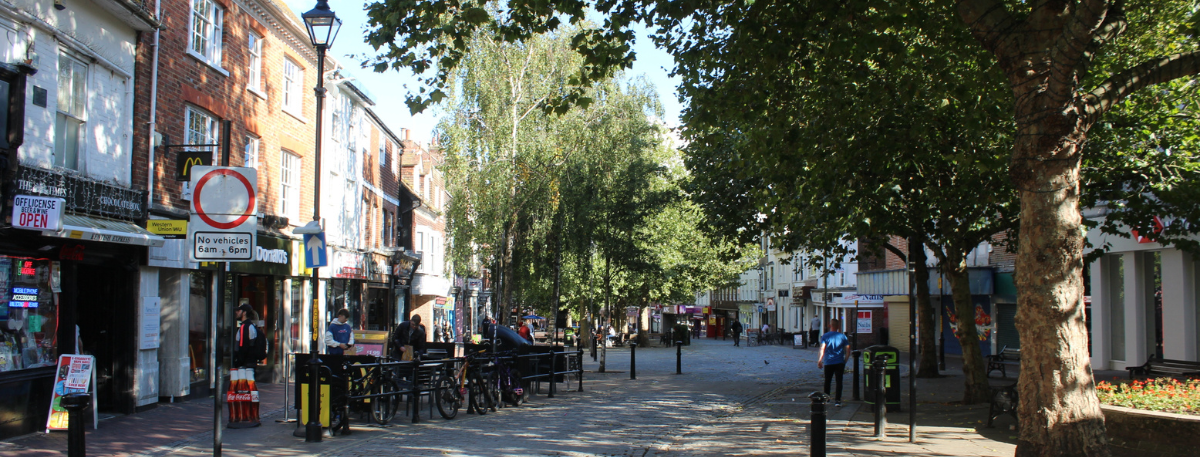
(553, 372)
(581, 369)
(816, 427)
(878, 371)
(857, 355)
(632, 360)
(312, 429)
(594, 348)
(75, 404)
(942, 352)
(678, 357)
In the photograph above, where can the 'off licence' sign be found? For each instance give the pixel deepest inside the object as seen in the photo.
(37, 213)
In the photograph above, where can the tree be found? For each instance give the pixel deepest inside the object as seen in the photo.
(1061, 61)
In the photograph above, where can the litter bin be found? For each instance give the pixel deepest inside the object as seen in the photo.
(891, 375)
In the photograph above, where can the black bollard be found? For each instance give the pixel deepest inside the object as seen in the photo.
(942, 351)
(632, 360)
(878, 371)
(816, 428)
(678, 357)
(75, 404)
(857, 355)
(553, 372)
(594, 348)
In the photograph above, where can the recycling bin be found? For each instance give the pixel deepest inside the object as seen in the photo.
(891, 376)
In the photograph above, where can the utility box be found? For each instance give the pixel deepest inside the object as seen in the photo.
(891, 376)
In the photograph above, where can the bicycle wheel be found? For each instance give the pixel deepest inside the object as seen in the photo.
(514, 393)
(383, 407)
(477, 395)
(447, 397)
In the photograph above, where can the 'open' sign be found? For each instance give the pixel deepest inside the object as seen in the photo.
(37, 213)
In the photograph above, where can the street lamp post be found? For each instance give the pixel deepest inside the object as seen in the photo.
(323, 27)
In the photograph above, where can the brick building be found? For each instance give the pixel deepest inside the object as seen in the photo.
(432, 283)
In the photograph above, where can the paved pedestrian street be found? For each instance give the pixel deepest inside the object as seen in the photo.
(729, 401)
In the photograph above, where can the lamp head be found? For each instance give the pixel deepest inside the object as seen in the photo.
(322, 24)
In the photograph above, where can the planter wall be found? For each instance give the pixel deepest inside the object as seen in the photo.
(1156, 433)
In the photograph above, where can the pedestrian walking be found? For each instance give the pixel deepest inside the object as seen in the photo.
(737, 333)
(247, 333)
(834, 348)
(339, 336)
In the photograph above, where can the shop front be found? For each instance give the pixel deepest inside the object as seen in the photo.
(69, 284)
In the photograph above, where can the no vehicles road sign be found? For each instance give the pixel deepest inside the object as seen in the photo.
(224, 212)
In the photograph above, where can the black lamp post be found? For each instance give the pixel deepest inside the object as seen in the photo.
(323, 26)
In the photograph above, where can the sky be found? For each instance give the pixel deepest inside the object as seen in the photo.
(389, 88)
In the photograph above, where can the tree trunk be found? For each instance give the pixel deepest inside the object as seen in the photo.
(926, 324)
(607, 307)
(1059, 411)
(974, 370)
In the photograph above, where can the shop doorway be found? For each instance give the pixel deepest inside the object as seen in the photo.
(106, 319)
(379, 314)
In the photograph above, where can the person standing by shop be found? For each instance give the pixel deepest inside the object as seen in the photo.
(814, 329)
(736, 328)
(834, 348)
(525, 331)
(408, 341)
(339, 336)
(247, 333)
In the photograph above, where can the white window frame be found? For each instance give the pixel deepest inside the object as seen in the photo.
(254, 44)
(253, 146)
(383, 154)
(211, 18)
(76, 113)
(293, 81)
(289, 185)
(199, 127)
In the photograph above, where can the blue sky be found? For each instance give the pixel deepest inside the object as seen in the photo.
(389, 91)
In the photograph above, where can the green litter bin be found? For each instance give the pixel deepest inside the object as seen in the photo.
(891, 376)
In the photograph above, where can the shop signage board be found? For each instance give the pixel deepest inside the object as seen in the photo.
(82, 194)
(75, 373)
(224, 210)
(169, 229)
(185, 160)
(37, 213)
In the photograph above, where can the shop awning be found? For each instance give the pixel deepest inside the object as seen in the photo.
(105, 230)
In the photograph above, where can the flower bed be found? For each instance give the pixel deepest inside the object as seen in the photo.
(1162, 394)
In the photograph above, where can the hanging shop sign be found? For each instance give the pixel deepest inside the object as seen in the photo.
(770, 304)
(184, 161)
(864, 322)
(38, 213)
(82, 195)
(348, 264)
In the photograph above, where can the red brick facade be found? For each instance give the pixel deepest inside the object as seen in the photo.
(186, 81)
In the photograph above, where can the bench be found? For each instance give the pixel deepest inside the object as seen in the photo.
(1001, 360)
(1157, 366)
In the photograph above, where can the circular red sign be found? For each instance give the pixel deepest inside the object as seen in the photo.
(200, 187)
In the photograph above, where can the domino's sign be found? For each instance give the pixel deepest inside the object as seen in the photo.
(37, 213)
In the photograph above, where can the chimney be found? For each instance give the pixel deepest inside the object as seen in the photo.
(407, 134)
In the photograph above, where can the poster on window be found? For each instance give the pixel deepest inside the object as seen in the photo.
(75, 373)
(864, 322)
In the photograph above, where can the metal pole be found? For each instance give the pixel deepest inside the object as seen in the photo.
(312, 429)
(632, 360)
(878, 372)
(857, 355)
(856, 330)
(581, 369)
(912, 345)
(816, 428)
(679, 357)
(218, 399)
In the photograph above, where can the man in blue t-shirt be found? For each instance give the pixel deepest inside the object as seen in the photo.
(834, 349)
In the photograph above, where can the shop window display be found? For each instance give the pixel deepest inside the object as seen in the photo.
(29, 291)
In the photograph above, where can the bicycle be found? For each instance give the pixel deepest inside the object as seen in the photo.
(378, 395)
(507, 383)
(459, 384)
